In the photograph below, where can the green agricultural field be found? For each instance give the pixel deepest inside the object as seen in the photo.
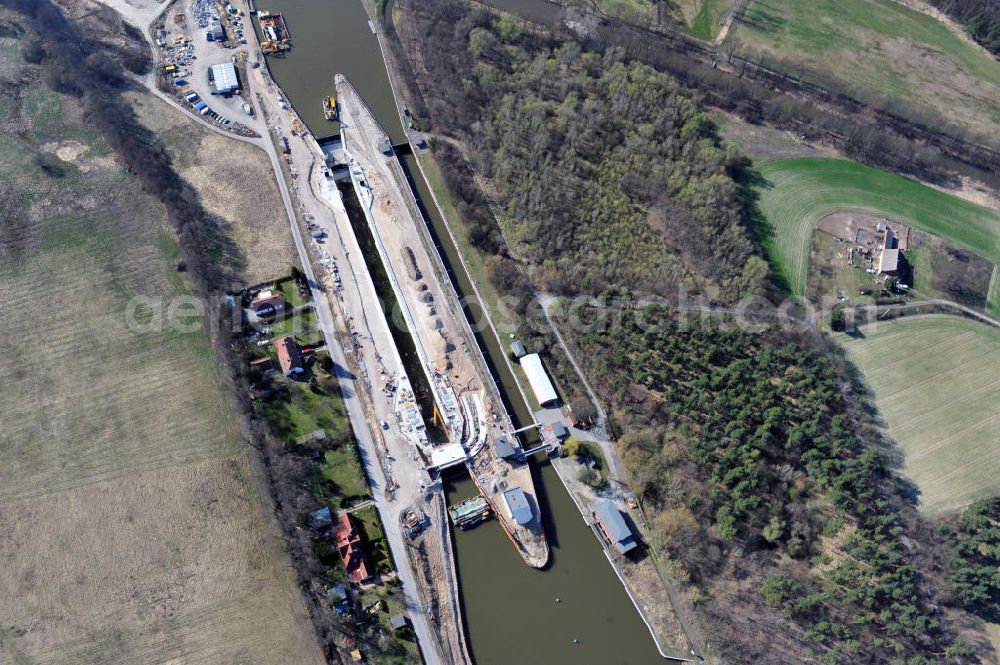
(698, 18)
(796, 193)
(936, 383)
(880, 50)
(703, 16)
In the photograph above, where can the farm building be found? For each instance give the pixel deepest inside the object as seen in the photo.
(267, 303)
(290, 357)
(351, 550)
(888, 262)
(224, 78)
(614, 526)
(518, 506)
(541, 386)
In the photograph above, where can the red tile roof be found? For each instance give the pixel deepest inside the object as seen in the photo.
(268, 298)
(289, 355)
(351, 550)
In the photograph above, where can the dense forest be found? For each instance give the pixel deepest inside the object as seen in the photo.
(745, 447)
(606, 172)
(974, 561)
(768, 481)
(981, 19)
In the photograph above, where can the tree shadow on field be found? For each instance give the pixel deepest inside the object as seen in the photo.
(873, 426)
(761, 15)
(751, 183)
(96, 75)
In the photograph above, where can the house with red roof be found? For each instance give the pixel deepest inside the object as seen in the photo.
(267, 303)
(290, 357)
(352, 552)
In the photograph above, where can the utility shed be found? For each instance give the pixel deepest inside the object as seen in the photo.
(614, 526)
(320, 519)
(397, 621)
(504, 448)
(545, 393)
(517, 348)
(224, 78)
(518, 506)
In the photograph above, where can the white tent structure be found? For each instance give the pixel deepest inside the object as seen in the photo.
(539, 380)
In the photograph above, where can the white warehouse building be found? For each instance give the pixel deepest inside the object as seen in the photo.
(224, 78)
(545, 393)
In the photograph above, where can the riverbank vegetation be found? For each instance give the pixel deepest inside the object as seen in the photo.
(898, 136)
(883, 51)
(981, 19)
(701, 19)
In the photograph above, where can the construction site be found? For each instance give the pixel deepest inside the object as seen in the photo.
(360, 358)
(465, 400)
(423, 386)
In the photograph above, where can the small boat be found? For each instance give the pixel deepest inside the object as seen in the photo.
(330, 108)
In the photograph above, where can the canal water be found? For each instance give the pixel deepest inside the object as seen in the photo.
(510, 610)
(516, 614)
(331, 37)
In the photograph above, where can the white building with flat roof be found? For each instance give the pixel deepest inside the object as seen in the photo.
(224, 78)
(539, 380)
(517, 506)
